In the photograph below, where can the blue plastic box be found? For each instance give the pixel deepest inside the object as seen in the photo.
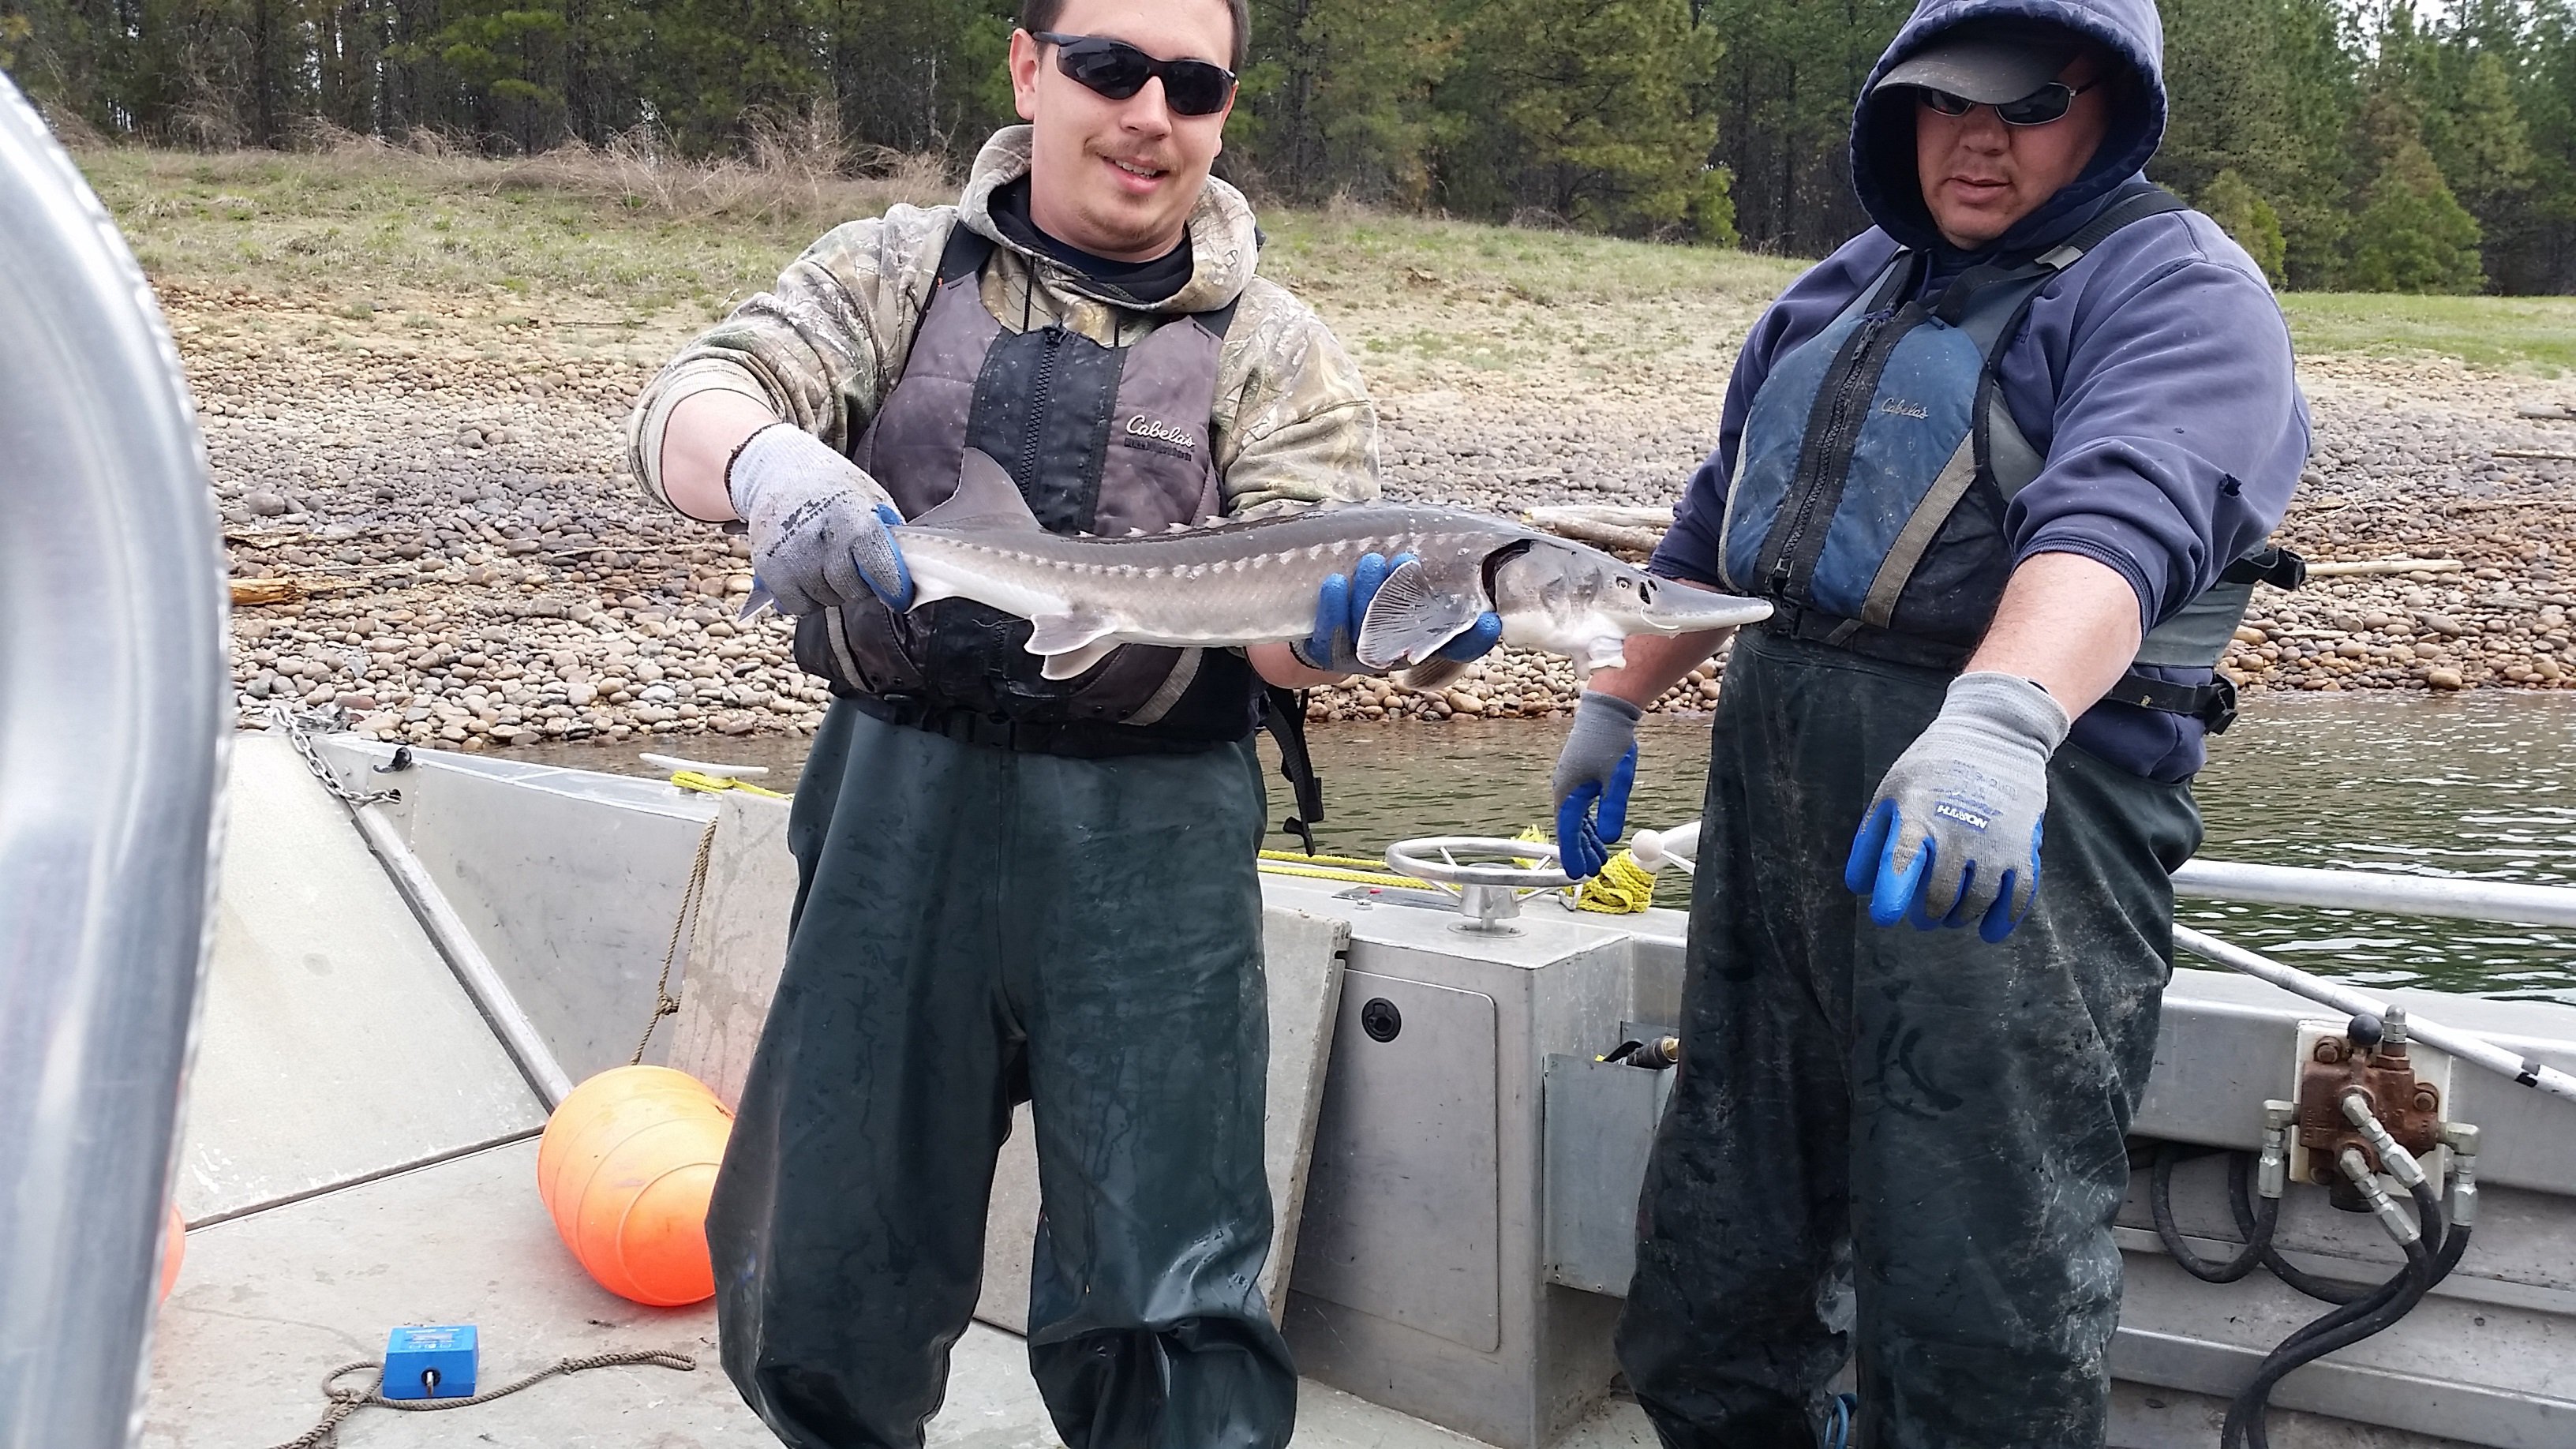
(430, 1363)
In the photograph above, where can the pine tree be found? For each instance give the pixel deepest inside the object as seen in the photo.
(2264, 87)
(2489, 161)
(2241, 212)
(1340, 98)
(2412, 234)
(1589, 111)
(1784, 90)
(712, 66)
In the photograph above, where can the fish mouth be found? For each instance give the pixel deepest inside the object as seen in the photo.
(1680, 608)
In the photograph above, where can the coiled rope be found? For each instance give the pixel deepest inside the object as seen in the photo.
(347, 1401)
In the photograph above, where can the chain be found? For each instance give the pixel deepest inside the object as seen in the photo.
(664, 1003)
(347, 1401)
(298, 729)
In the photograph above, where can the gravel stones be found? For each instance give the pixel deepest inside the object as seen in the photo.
(499, 580)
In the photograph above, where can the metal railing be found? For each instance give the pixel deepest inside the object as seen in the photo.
(2451, 897)
(2403, 895)
(114, 695)
(2363, 890)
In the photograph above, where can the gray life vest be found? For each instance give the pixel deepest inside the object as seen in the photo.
(1879, 457)
(1099, 440)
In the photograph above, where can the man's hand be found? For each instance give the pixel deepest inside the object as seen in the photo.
(818, 523)
(1596, 768)
(1342, 605)
(1952, 836)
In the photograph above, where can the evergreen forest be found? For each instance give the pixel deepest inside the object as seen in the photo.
(2349, 144)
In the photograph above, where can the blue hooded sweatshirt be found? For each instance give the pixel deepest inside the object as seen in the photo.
(2154, 375)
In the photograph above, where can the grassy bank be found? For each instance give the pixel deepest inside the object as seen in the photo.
(621, 235)
(2528, 334)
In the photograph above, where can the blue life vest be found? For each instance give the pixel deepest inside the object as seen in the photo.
(1879, 458)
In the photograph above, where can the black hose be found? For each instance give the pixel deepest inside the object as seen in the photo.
(2257, 1230)
(2372, 1312)
(2249, 1217)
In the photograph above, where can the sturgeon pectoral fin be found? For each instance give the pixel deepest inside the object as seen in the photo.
(1432, 673)
(1073, 663)
(1608, 653)
(1072, 643)
(1408, 620)
(985, 497)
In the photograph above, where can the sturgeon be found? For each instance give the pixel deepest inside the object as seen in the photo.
(1249, 581)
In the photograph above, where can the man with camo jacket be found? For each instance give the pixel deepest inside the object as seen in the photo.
(1009, 887)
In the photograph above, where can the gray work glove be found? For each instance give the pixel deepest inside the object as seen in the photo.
(1596, 767)
(818, 523)
(1952, 836)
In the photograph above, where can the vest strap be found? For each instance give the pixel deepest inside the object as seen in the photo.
(964, 254)
(1955, 300)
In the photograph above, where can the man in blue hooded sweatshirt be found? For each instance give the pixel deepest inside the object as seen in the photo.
(2005, 464)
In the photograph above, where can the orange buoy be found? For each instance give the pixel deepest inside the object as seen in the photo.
(625, 1168)
(174, 1246)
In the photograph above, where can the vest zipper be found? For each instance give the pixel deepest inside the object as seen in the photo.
(1041, 392)
(1834, 456)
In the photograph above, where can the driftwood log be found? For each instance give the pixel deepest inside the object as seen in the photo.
(1637, 530)
(2385, 566)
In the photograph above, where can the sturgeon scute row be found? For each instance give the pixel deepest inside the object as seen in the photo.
(1249, 581)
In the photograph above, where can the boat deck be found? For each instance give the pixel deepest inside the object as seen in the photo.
(269, 1302)
(360, 1154)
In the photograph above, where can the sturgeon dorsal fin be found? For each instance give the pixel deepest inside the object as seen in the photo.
(985, 498)
(1409, 620)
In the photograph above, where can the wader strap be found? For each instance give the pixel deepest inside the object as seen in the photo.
(2213, 704)
(1283, 713)
(2278, 567)
(1796, 621)
(1077, 739)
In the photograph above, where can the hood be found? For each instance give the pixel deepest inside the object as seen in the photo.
(1882, 138)
(1224, 244)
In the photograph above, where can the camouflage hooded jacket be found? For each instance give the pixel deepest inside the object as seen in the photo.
(1293, 422)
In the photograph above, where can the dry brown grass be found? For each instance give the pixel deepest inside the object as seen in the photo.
(794, 168)
(633, 221)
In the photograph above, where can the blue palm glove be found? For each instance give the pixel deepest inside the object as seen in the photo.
(1952, 837)
(818, 523)
(1342, 605)
(1596, 768)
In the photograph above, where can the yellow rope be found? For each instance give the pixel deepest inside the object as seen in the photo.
(1335, 867)
(1623, 887)
(716, 784)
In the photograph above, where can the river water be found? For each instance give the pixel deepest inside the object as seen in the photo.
(2480, 784)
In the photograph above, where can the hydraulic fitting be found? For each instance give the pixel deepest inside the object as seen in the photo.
(2397, 1161)
(2357, 1169)
(2462, 1139)
(2272, 1174)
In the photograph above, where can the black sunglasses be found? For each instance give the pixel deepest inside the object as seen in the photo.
(1118, 70)
(2040, 107)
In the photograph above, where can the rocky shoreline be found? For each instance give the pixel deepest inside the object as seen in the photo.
(438, 502)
